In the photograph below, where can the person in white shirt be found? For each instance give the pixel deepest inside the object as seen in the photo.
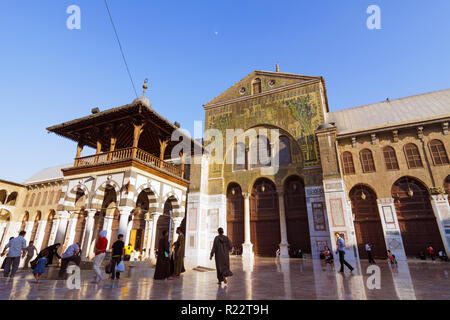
(369, 253)
(17, 247)
(341, 251)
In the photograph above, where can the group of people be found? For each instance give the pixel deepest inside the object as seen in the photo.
(431, 253)
(170, 263)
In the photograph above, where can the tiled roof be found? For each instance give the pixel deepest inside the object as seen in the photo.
(427, 106)
(48, 174)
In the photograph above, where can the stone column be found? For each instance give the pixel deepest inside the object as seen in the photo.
(71, 229)
(391, 228)
(284, 250)
(54, 231)
(441, 209)
(28, 229)
(147, 234)
(87, 236)
(107, 225)
(11, 231)
(247, 246)
(153, 235)
(128, 232)
(40, 233)
(123, 221)
(2, 229)
(62, 227)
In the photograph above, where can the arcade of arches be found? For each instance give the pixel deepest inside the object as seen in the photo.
(416, 220)
(268, 228)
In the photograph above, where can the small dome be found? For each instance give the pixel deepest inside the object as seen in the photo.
(143, 100)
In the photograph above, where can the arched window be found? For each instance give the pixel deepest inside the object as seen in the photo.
(260, 152)
(390, 159)
(367, 163)
(240, 156)
(413, 156)
(285, 151)
(32, 200)
(38, 198)
(438, 152)
(50, 198)
(11, 201)
(347, 162)
(25, 203)
(59, 195)
(256, 85)
(44, 198)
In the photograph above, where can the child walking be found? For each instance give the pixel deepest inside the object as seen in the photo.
(391, 258)
(39, 269)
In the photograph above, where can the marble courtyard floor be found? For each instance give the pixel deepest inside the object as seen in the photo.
(266, 278)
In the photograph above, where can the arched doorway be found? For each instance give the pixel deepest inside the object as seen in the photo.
(235, 215)
(264, 218)
(143, 201)
(296, 215)
(48, 229)
(109, 207)
(415, 216)
(5, 219)
(35, 226)
(164, 221)
(367, 221)
(25, 218)
(79, 228)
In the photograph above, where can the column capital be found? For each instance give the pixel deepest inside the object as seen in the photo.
(91, 212)
(125, 210)
(246, 195)
(63, 214)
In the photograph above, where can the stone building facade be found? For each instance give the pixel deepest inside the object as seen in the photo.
(394, 196)
(289, 175)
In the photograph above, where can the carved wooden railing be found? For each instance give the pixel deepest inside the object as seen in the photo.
(128, 154)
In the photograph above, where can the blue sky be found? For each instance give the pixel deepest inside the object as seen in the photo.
(192, 51)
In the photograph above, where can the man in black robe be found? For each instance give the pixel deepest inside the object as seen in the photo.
(221, 250)
(162, 269)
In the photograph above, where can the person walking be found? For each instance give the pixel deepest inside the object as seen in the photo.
(369, 253)
(116, 256)
(72, 254)
(17, 247)
(340, 243)
(128, 250)
(162, 269)
(30, 254)
(221, 250)
(430, 251)
(100, 252)
(4, 260)
(178, 255)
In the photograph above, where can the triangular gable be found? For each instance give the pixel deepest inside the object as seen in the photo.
(280, 79)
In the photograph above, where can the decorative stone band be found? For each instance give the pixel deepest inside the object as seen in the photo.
(100, 193)
(69, 201)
